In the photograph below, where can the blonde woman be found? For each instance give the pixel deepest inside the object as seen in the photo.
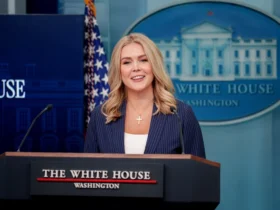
(141, 115)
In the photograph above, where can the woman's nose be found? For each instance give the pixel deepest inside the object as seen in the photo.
(135, 66)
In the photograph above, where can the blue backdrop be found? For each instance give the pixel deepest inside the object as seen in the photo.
(41, 62)
(243, 138)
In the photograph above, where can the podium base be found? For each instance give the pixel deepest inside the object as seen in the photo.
(110, 202)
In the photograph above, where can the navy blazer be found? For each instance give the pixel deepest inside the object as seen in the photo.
(163, 136)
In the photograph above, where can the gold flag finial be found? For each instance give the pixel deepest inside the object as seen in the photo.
(91, 6)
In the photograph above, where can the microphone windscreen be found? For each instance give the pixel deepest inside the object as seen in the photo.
(49, 107)
(172, 109)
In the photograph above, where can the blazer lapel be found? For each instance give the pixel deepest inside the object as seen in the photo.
(116, 132)
(157, 125)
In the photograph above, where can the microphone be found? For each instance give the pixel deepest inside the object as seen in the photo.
(48, 108)
(173, 110)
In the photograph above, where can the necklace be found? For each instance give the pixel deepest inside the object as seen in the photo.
(139, 118)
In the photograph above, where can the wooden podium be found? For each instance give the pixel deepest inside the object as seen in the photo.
(109, 180)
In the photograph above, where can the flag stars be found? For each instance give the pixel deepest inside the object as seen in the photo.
(86, 35)
(105, 79)
(100, 51)
(93, 36)
(107, 65)
(104, 92)
(90, 64)
(88, 118)
(86, 92)
(91, 107)
(86, 78)
(95, 93)
(86, 20)
(95, 22)
(90, 50)
(98, 64)
(96, 78)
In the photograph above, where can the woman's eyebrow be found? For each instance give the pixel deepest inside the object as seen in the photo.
(144, 55)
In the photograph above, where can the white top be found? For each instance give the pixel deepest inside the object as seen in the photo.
(135, 143)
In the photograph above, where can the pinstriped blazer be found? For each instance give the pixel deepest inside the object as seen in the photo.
(163, 136)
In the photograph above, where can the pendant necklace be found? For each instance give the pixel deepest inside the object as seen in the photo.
(139, 118)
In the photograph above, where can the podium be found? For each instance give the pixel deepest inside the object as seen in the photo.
(109, 180)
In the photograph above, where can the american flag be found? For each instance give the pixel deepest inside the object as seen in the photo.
(95, 63)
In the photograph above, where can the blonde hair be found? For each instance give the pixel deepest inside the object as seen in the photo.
(163, 86)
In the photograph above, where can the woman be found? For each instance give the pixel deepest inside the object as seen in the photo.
(142, 115)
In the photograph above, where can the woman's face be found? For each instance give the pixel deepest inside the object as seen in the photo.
(136, 71)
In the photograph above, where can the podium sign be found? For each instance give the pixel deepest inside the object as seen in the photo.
(164, 181)
(96, 179)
